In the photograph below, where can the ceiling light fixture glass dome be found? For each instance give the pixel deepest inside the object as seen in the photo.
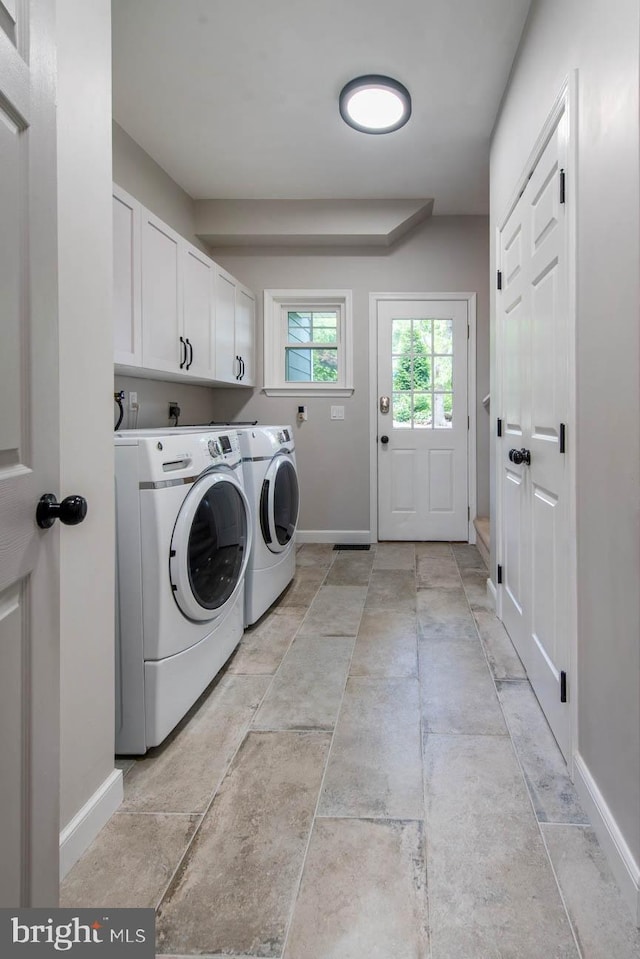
(375, 104)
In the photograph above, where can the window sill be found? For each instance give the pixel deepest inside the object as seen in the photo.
(295, 390)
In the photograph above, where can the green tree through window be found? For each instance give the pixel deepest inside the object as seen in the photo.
(413, 371)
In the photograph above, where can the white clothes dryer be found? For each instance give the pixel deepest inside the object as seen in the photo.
(271, 483)
(183, 539)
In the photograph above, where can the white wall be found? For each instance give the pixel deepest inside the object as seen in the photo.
(137, 173)
(86, 385)
(444, 254)
(600, 40)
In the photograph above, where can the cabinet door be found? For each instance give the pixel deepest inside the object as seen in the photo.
(245, 334)
(198, 280)
(227, 366)
(161, 296)
(127, 327)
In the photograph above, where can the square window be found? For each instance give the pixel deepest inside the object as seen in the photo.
(308, 342)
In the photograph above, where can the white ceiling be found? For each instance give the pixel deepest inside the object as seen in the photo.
(239, 98)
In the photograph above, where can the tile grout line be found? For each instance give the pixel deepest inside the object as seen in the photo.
(422, 703)
(243, 736)
(524, 779)
(315, 817)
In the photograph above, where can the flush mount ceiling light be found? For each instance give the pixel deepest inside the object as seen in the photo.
(375, 104)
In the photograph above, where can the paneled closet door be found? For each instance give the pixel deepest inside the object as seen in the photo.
(534, 357)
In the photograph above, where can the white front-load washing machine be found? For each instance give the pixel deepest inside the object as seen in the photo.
(183, 539)
(271, 483)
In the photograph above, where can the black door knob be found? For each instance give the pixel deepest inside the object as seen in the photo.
(520, 456)
(384, 440)
(71, 511)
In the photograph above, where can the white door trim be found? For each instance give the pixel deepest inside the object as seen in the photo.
(566, 101)
(374, 299)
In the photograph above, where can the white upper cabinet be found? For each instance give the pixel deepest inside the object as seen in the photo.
(127, 303)
(235, 331)
(199, 310)
(227, 365)
(162, 348)
(177, 314)
(245, 334)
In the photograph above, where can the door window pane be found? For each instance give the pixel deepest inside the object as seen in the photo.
(443, 410)
(443, 373)
(398, 330)
(423, 329)
(422, 410)
(401, 411)
(443, 336)
(422, 373)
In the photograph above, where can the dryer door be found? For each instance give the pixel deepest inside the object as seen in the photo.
(279, 503)
(210, 546)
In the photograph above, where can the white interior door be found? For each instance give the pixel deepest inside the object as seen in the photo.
(534, 352)
(422, 420)
(29, 578)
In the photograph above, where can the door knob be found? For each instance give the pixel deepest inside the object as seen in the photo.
(71, 511)
(520, 456)
(384, 440)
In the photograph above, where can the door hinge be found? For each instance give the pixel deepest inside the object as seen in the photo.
(563, 687)
(499, 573)
(563, 438)
(498, 427)
(468, 423)
(562, 186)
(499, 279)
(468, 513)
(467, 331)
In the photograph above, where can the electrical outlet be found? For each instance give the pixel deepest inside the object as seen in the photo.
(133, 401)
(174, 411)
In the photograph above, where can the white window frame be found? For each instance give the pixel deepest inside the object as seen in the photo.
(276, 303)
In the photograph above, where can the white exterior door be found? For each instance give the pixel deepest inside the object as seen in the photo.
(29, 575)
(533, 336)
(422, 420)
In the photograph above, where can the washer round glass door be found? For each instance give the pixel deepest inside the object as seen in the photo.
(210, 546)
(279, 503)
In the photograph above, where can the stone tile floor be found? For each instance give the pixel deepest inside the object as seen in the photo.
(370, 777)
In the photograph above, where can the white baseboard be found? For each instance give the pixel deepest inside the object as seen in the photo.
(338, 536)
(492, 593)
(77, 836)
(624, 867)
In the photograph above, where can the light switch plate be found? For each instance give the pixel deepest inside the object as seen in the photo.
(337, 412)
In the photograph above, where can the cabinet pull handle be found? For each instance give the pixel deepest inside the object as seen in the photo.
(239, 368)
(188, 343)
(183, 352)
(243, 370)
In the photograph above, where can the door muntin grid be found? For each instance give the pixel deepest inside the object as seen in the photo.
(422, 373)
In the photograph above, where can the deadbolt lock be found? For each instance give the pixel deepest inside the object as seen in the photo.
(384, 404)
